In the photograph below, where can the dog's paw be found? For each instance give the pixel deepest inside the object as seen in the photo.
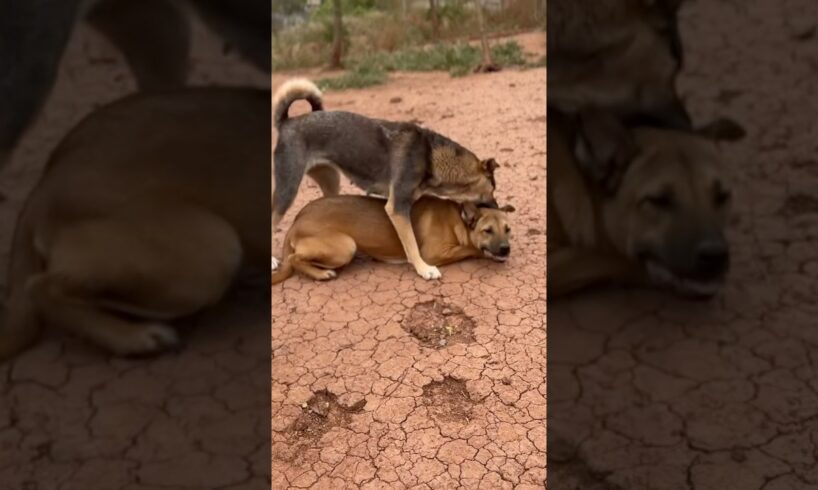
(429, 272)
(148, 339)
(327, 275)
(273, 263)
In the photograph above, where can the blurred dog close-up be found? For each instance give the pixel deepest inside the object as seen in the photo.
(153, 36)
(622, 55)
(117, 240)
(636, 205)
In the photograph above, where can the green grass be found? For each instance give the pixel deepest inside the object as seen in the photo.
(456, 59)
(358, 77)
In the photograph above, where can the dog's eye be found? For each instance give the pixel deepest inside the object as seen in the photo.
(508, 230)
(660, 201)
(488, 231)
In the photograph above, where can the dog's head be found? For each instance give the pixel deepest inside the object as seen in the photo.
(666, 200)
(621, 55)
(489, 230)
(458, 175)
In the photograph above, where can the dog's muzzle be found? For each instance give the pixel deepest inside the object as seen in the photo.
(501, 255)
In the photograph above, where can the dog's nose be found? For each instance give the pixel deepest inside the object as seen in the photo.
(504, 250)
(712, 259)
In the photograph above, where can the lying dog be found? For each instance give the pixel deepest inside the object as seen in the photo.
(114, 243)
(328, 232)
(400, 161)
(635, 205)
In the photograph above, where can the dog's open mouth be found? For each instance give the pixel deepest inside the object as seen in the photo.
(694, 288)
(494, 257)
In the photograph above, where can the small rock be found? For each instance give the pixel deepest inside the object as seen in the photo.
(395, 100)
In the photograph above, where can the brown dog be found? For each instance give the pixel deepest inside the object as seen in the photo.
(635, 205)
(328, 231)
(118, 239)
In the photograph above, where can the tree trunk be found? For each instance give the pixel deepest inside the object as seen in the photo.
(435, 19)
(488, 63)
(337, 37)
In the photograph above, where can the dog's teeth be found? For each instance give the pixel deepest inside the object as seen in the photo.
(273, 263)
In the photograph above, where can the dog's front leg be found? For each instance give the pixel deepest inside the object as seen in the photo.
(572, 269)
(399, 211)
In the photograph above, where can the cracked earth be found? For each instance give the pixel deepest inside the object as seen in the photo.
(424, 384)
(71, 417)
(647, 391)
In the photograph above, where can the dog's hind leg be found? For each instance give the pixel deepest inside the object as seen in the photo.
(328, 179)
(116, 282)
(288, 169)
(316, 257)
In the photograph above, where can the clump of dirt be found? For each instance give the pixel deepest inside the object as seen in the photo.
(448, 400)
(319, 414)
(436, 324)
(799, 204)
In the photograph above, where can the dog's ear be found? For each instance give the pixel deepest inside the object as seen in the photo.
(469, 212)
(489, 165)
(603, 148)
(508, 208)
(722, 129)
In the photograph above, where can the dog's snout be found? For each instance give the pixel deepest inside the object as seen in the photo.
(504, 250)
(712, 258)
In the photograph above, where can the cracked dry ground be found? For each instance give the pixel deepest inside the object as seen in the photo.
(650, 392)
(71, 417)
(361, 402)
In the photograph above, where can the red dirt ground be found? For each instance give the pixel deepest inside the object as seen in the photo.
(467, 414)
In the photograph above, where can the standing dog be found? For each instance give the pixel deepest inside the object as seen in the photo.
(635, 205)
(328, 231)
(401, 161)
(118, 239)
(620, 55)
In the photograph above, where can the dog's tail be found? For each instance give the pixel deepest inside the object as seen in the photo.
(285, 269)
(289, 92)
(20, 326)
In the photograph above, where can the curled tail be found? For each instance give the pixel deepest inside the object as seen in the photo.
(289, 92)
(20, 326)
(285, 269)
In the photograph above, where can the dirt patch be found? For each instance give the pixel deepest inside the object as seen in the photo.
(319, 415)
(799, 204)
(437, 324)
(448, 400)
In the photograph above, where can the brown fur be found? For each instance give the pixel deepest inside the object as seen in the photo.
(328, 232)
(600, 234)
(118, 239)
